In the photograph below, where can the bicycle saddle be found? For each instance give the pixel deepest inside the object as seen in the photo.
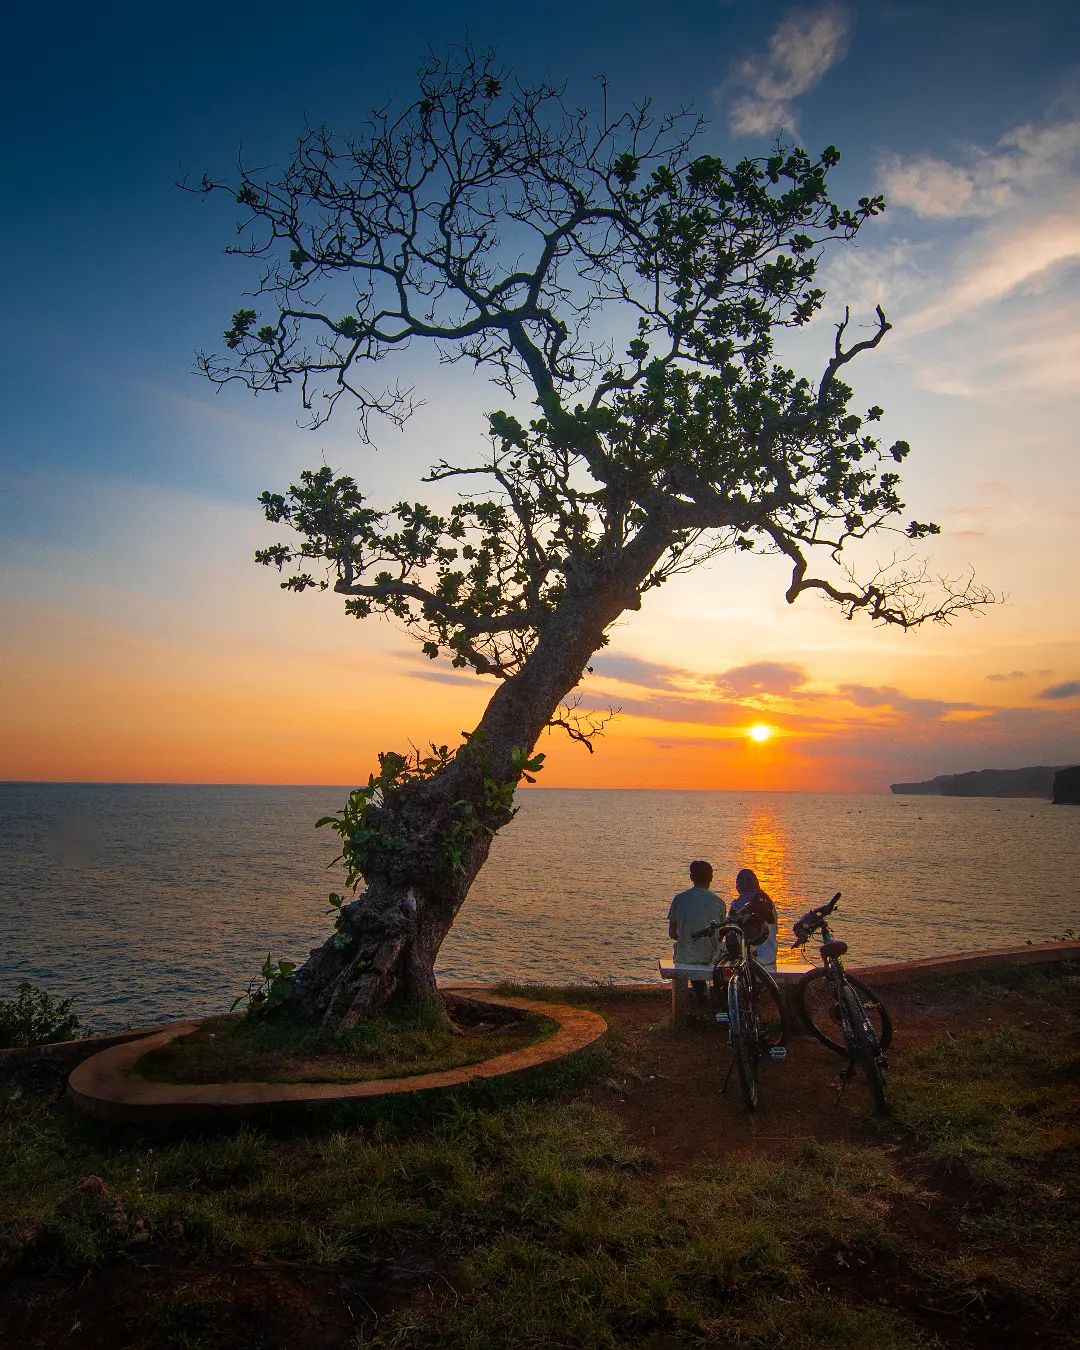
(834, 948)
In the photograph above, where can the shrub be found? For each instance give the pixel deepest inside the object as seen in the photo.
(34, 1017)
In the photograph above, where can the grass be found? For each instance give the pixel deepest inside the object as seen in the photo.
(551, 1226)
(240, 1049)
(538, 1221)
(998, 1112)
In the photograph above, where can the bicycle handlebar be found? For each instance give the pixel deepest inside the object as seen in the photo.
(812, 920)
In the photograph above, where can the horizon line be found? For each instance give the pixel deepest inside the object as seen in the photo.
(536, 787)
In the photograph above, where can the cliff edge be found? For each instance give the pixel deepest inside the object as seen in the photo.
(1067, 787)
(1038, 781)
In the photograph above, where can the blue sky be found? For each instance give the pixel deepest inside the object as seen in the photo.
(129, 500)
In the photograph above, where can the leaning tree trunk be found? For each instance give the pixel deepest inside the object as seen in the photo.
(387, 940)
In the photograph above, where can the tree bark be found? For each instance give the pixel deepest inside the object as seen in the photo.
(387, 940)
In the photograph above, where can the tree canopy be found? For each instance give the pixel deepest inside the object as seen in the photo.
(623, 290)
(630, 287)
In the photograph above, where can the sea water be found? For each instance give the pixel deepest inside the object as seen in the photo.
(148, 902)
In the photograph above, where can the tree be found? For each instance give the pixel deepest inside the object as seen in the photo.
(622, 290)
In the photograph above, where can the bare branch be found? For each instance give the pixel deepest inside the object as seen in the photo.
(582, 726)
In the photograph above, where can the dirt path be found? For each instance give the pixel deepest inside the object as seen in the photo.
(667, 1093)
(670, 1098)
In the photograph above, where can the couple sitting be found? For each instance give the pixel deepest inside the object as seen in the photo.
(695, 909)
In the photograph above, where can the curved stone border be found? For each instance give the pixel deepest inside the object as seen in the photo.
(962, 963)
(69, 1053)
(106, 1085)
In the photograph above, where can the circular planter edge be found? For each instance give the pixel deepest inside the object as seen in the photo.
(106, 1086)
(68, 1053)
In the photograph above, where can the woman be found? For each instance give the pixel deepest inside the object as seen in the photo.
(754, 912)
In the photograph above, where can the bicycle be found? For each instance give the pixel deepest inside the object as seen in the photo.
(839, 1010)
(753, 1035)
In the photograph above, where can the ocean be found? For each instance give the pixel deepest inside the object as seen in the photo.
(150, 902)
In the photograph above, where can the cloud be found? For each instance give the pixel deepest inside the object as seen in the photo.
(773, 678)
(1033, 347)
(887, 273)
(987, 182)
(885, 696)
(1002, 260)
(805, 46)
(637, 670)
(1002, 676)
(448, 677)
(1070, 689)
(422, 667)
(1002, 292)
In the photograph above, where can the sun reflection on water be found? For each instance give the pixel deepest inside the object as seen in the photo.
(765, 847)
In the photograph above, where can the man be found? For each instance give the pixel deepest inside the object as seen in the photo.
(690, 912)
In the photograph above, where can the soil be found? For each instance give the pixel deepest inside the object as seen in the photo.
(799, 1095)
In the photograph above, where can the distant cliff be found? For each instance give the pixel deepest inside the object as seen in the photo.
(1067, 787)
(1034, 782)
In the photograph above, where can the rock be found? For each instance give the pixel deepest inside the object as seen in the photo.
(1067, 787)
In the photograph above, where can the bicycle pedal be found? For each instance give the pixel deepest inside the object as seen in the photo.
(778, 1052)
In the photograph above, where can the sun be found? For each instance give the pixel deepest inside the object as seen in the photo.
(759, 732)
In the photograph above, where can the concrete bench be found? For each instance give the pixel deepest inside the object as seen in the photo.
(786, 977)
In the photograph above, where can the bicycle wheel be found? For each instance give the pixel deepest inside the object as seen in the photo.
(820, 1015)
(865, 1048)
(743, 1033)
(769, 1009)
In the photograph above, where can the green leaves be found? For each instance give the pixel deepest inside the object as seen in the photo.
(34, 1017)
(525, 767)
(626, 168)
(242, 322)
(270, 989)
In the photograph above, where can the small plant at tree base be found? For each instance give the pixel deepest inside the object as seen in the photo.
(34, 1017)
(268, 990)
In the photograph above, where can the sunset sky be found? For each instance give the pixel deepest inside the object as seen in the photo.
(140, 642)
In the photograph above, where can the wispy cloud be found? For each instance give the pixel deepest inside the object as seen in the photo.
(638, 670)
(1000, 261)
(885, 696)
(1031, 347)
(1069, 689)
(1000, 677)
(1013, 250)
(762, 89)
(421, 667)
(984, 182)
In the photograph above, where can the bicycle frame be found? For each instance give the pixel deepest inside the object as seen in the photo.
(863, 1045)
(744, 961)
(743, 977)
(832, 964)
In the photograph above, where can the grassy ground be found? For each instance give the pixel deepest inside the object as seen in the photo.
(240, 1049)
(996, 1112)
(546, 1221)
